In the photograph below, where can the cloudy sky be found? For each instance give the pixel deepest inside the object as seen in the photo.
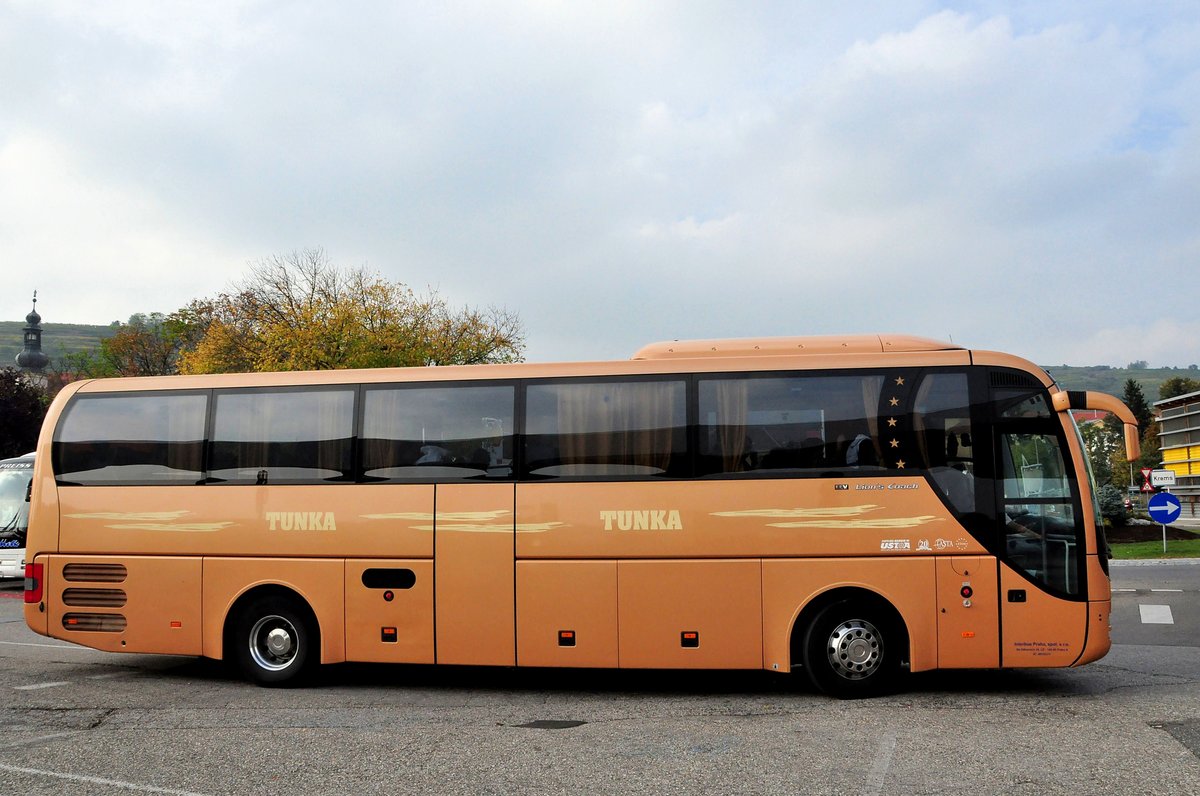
(1022, 176)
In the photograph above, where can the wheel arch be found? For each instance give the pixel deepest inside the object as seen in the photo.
(837, 594)
(263, 591)
(316, 584)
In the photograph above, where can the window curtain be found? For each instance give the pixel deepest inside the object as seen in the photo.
(622, 424)
(732, 402)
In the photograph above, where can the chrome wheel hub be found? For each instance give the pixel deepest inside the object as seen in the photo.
(273, 643)
(855, 649)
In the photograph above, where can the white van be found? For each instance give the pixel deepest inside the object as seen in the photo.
(15, 477)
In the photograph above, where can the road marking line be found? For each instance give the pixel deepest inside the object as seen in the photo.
(49, 646)
(50, 737)
(116, 783)
(879, 769)
(39, 686)
(1168, 591)
(1156, 615)
(1126, 591)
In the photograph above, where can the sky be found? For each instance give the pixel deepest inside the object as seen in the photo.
(1015, 176)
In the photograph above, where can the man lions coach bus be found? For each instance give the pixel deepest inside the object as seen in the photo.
(854, 507)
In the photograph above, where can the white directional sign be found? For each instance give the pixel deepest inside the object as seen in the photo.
(1162, 478)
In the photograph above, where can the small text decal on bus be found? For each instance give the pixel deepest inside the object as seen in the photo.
(301, 521)
(650, 520)
(896, 544)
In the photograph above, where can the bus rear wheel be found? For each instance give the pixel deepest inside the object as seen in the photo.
(273, 642)
(852, 650)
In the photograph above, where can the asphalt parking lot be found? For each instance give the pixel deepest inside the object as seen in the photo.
(86, 722)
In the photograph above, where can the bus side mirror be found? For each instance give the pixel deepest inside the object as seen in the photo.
(29, 491)
(1066, 401)
(1133, 444)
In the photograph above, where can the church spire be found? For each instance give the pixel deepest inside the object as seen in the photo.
(31, 356)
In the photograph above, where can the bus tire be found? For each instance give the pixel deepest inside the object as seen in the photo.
(852, 650)
(273, 642)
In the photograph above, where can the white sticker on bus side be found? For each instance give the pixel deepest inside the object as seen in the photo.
(896, 544)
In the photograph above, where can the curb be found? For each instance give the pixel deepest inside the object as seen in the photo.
(1150, 562)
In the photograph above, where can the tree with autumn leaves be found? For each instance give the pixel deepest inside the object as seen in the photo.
(300, 312)
(148, 345)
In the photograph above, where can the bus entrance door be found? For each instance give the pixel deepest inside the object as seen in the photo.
(1039, 628)
(473, 574)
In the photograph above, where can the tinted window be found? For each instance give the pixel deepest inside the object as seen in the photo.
(797, 423)
(1041, 531)
(147, 438)
(283, 436)
(945, 442)
(606, 428)
(438, 432)
(1012, 402)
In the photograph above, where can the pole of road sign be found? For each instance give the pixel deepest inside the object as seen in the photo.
(1165, 530)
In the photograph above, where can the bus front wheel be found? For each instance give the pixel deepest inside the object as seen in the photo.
(273, 642)
(852, 650)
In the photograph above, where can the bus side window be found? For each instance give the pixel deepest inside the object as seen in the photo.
(942, 416)
(150, 438)
(806, 424)
(282, 436)
(451, 432)
(606, 428)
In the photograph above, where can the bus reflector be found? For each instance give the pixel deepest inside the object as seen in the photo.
(689, 639)
(968, 634)
(33, 583)
(388, 635)
(175, 623)
(99, 623)
(566, 638)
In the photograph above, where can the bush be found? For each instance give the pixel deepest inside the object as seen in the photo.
(1112, 505)
(22, 407)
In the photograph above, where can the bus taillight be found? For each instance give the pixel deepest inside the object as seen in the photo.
(33, 583)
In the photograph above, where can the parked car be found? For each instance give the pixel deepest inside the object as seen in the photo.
(16, 476)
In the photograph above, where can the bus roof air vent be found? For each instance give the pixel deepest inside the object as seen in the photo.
(1013, 378)
(783, 346)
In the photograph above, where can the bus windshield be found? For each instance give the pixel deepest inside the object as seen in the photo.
(14, 510)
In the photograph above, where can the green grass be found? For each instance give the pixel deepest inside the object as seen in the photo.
(1176, 548)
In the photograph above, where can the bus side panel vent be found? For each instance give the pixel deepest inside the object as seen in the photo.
(95, 573)
(95, 598)
(96, 623)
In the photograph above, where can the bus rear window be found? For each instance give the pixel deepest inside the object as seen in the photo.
(145, 438)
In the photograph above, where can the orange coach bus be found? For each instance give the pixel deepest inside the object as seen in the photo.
(853, 506)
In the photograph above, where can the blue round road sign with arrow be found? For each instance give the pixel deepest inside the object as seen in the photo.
(1164, 508)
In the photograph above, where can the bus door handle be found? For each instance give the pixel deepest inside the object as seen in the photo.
(1016, 595)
